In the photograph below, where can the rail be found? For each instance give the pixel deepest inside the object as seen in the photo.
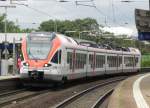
(145, 69)
(102, 99)
(78, 95)
(25, 95)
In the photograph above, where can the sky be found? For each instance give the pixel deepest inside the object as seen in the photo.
(109, 13)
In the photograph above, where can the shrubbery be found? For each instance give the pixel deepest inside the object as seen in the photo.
(145, 60)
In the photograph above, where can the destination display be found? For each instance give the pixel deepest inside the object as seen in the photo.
(35, 38)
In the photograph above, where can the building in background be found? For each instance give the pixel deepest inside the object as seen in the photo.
(142, 19)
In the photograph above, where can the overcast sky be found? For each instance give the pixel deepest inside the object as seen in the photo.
(111, 13)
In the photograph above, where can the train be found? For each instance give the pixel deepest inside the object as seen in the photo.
(56, 57)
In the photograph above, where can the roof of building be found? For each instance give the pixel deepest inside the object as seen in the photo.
(11, 36)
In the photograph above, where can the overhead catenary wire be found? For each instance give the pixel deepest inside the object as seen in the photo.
(114, 20)
(123, 14)
(93, 5)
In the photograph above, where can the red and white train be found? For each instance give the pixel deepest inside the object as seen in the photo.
(51, 56)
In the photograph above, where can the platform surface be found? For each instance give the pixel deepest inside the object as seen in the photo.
(8, 77)
(133, 92)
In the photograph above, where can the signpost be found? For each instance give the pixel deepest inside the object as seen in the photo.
(6, 5)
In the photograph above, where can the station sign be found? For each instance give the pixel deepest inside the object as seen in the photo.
(6, 51)
(142, 19)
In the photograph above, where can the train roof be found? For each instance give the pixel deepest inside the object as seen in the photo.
(87, 45)
(92, 46)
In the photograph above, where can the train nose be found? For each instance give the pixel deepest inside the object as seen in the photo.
(33, 75)
(36, 75)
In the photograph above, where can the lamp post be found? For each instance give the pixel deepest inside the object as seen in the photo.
(6, 54)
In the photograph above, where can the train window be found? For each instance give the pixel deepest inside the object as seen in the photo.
(112, 61)
(57, 57)
(129, 61)
(100, 61)
(80, 60)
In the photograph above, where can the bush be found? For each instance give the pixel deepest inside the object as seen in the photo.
(145, 60)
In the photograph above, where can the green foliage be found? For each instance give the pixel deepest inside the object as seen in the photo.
(11, 27)
(145, 60)
(2, 23)
(27, 30)
(67, 25)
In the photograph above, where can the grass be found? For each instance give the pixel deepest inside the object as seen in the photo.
(145, 60)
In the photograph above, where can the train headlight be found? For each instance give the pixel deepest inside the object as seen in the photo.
(25, 64)
(46, 65)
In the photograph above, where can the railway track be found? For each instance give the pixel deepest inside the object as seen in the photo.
(15, 96)
(92, 97)
(101, 99)
(11, 92)
(25, 97)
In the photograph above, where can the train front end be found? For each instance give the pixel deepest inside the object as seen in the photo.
(42, 57)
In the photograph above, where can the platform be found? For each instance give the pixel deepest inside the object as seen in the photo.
(9, 77)
(133, 92)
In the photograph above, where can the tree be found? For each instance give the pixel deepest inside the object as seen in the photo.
(67, 25)
(2, 17)
(11, 27)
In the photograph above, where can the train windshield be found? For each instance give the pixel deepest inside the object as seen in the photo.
(39, 45)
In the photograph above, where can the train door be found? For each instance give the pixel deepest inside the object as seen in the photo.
(100, 64)
(87, 62)
(80, 63)
(136, 63)
(76, 62)
(63, 61)
(70, 63)
(120, 63)
(91, 65)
